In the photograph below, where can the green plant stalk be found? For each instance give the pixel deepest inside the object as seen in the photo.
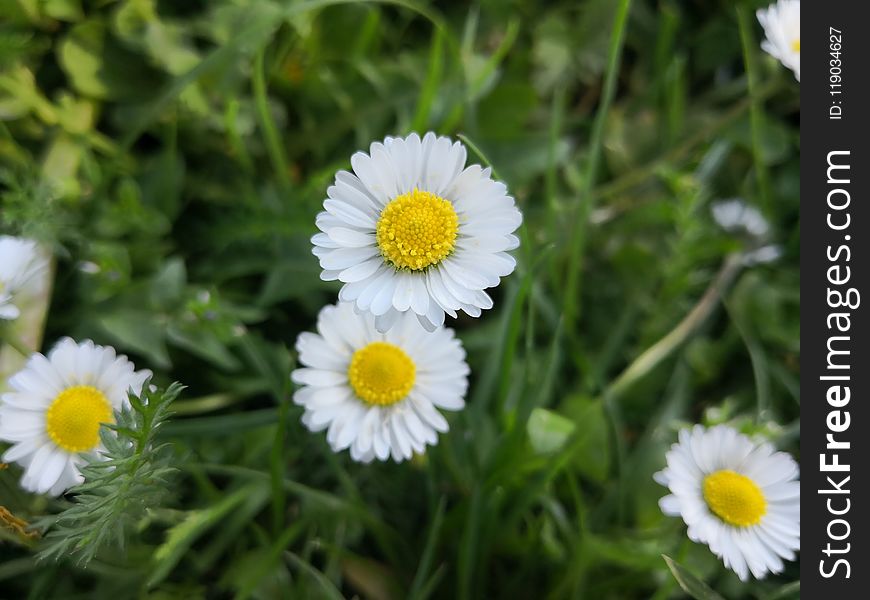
(468, 550)
(13, 342)
(756, 109)
(233, 137)
(279, 495)
(205, 404)
(557, 113)
(653, 356)
(759, 364)
(327, 588)
(585, 200)
(273, 142)
(425, 564)
(507, 41)
(432, 82)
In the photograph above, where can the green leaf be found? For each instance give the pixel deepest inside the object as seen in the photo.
(60, 165)
(63, 10)
(291, 279)
(548, 431)
(592, 454)
(181, 537)
(425, 565)
(430, 87)
(138, 331)
(693, 586)
(168, 284)
(167, 46)
(789, 591)
(202, 343)
(161, 182)
(326, 586)
(370, 578)
(100, 68)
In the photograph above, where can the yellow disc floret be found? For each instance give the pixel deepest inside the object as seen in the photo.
(796, 45)
(734, 498)
(74, 417)
(381, 373)
(417, 230)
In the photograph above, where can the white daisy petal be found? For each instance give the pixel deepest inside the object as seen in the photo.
(412, 229)
(354, 194)
(381, 444)
(439, 292)
(353, 191)
(740, 498)
(383, 300)
(23, 448)
(69, 477)
(782, 28)
(318, 377)
(399, 438)
(376, 282)
(384, 322)
(419, 296)
(347, 213)
(322, 240)
(426, 411)
(404, 289)
(670, 505)
(375, 393)
(365, 170)
(360, 272)
(347, 237)
(51, 471)
(344, 258)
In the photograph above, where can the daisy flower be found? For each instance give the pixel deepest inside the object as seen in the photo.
(52, 417)
(782, 28)
(378, 393)
(740, 498)
(737, 217)
(20, 260)
(414, 229)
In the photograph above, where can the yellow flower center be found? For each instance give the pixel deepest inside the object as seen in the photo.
(381, 373)
(74, 417)
(734, 498)
(796, 45)
(417, 230)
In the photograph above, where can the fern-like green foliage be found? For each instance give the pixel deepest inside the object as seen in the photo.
(118, 489)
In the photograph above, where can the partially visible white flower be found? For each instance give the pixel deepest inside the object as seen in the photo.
(89, 267)
(738, 218)
(762, 256)
(414, 229)
(20, 261)
(735, 216)
(782, 28)
(378, 394)
(52, 417)
(740, 498)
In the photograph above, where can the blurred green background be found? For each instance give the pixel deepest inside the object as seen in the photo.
(173, 155)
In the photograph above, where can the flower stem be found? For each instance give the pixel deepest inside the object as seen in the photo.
(584, 206)
(14, 343)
